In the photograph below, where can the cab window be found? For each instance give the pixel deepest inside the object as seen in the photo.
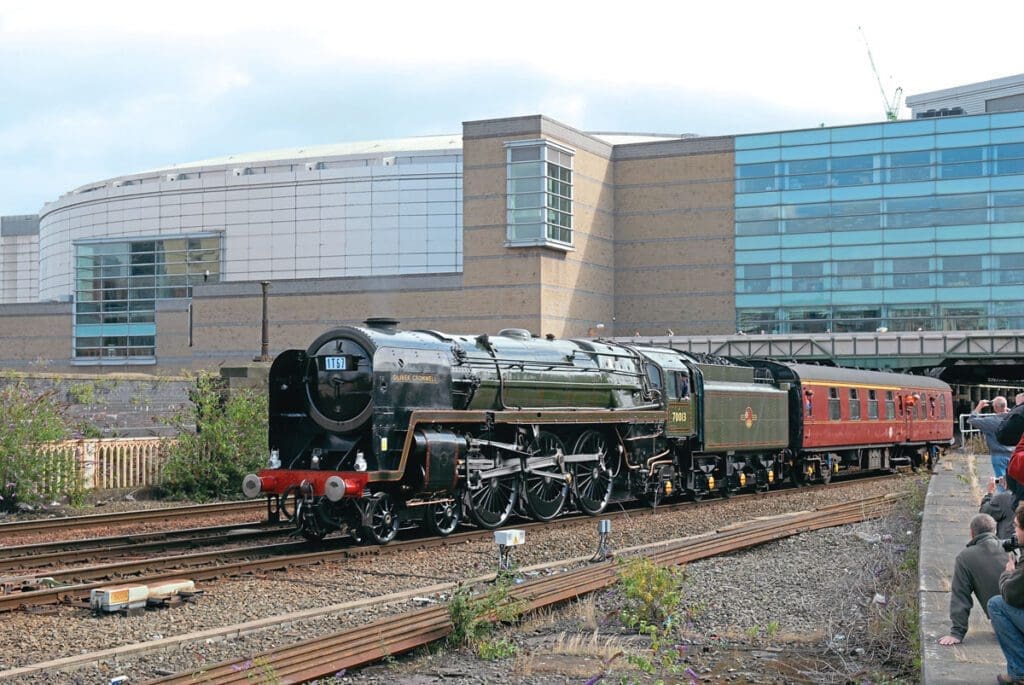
(682, 389)
(654, 376)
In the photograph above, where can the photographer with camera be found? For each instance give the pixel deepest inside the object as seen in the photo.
(976, 570)
(989, 425)
(1000, 506)
(1006, 611)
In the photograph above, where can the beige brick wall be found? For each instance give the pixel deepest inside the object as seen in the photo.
(35, 336)
(674, 251)
(574, 288)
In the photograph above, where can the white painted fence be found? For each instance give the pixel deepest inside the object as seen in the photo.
(105, 463)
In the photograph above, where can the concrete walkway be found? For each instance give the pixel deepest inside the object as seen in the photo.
(953, 497)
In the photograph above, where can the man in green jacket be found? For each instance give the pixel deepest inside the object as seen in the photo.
(976, 570)
(1007, 612)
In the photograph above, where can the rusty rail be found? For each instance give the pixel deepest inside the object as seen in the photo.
(91, 520)
(323, 656)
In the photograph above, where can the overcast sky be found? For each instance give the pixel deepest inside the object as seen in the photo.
(94, 90)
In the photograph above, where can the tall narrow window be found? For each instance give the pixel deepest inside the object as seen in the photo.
(539, 206)
(890, 405)
(854, 405)
(872, 404)
(833, 404)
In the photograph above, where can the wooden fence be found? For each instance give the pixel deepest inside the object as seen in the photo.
(104, 464)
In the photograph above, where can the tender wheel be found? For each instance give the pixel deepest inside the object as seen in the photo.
(797, 475)
(442, 518)
(383, 516)
(491, 503)
(545, 493)
(592, 481)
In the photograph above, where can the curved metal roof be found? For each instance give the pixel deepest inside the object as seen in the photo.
(838, 374)
(367, 147)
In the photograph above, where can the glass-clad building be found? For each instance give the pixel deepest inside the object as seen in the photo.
(117, 284)
(907, 225)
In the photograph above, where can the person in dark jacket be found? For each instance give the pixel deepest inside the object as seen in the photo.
(1011, 433)
(1000, 506)
(1012, 427)
(1006, 610)
(976, 570)
(988, 424)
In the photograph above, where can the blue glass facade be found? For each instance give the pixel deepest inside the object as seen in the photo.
(907, 225)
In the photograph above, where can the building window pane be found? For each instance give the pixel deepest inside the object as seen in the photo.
(910, 273)
(540, 176)
(964, 270)
(117, 285)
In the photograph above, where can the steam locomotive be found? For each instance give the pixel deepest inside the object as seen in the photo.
(373, 427)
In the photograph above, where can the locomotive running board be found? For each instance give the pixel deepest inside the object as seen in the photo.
(520, 417)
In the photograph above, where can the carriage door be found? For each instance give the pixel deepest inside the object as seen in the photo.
(680, 413)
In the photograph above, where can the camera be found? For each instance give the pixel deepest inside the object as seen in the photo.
(1011, 544)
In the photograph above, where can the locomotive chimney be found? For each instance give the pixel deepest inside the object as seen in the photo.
(382, 323)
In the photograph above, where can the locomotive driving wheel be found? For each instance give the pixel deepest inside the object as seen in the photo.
(491, 502)
(442, 518)
(592, 480)
(383, 519)
(545, 493)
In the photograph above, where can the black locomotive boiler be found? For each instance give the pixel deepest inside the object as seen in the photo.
(373, 427)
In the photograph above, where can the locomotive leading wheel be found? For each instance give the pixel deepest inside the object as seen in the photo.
(442, 518)
(309, 525)
(592, 481)
(383, 519)
(492, 502)
(545, 493)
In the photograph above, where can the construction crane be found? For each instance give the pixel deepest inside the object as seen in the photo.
(891, 105)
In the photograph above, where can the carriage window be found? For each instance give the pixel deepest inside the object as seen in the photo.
(931, 406)
(872, 404)
(833, 404)
(890, 405)
(854, 405)
(942, 407)
(922, 411)
(899, 405)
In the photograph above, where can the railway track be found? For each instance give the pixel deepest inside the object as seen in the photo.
(325, 655)
(51, 554)
(93, 520)
(72, 585)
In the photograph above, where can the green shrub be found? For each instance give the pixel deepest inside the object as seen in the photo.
(220, 439)
(473, 616)
(652, 600)
(28, 472)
